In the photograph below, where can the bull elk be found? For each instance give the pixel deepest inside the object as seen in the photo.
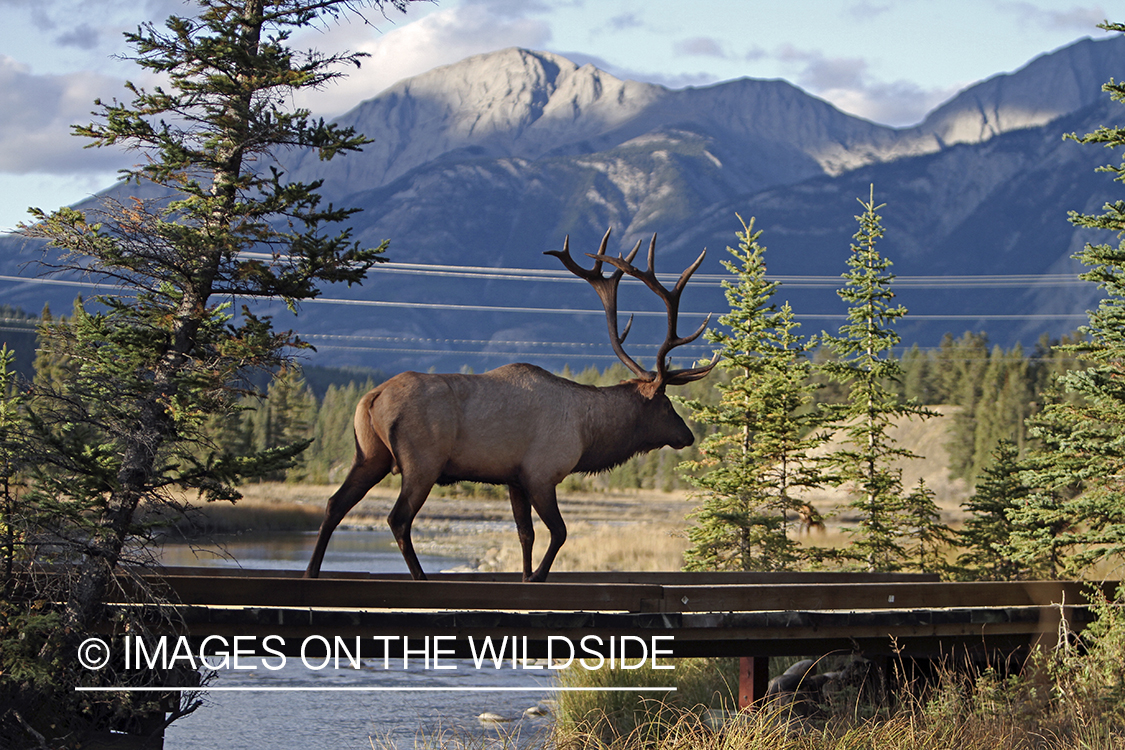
(517, 425)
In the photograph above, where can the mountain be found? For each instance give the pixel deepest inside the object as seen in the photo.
(489, 162)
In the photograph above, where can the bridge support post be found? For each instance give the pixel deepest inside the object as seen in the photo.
(753, 677)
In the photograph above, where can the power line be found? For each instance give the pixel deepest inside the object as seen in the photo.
(700, 279)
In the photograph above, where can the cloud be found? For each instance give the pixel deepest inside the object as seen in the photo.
(1081, 18)
(439, 38)
(36, 112)
(819, 72)
(848, 85)
(625, 21)
(672, 81)
(865, 11)
(82, 36)
(699, 46)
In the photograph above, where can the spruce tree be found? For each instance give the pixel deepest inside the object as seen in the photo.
(987, 532)
(1075, 515)
(12, 459)
(926, 537)
(864, 362)
(153, 363)
(758, 455)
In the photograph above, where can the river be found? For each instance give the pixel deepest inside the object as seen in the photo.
(288, 715)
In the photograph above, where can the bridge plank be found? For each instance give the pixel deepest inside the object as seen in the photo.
(238, 590)
(914, 633)
(376, 594)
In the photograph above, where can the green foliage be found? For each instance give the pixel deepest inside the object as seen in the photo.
(131, 383)
(986, 535)
(764, 428)
(927, 538)
(864, 362)
(1075, 515)
(13, 426)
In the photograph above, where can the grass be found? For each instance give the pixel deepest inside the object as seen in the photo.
(1071, 697)
(982, 711)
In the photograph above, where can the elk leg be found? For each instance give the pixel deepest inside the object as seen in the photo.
(521, 510)
(547, 506)
(364, 474)
(410, 501)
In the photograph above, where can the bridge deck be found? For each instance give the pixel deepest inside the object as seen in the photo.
(750, 615)
(738, 614)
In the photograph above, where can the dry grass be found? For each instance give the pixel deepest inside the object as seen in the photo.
(970, 711)
(639, 531)
(593, 547)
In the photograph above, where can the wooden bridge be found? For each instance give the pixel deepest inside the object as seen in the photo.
(750, 615)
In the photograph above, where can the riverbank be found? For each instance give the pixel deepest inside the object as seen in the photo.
(643, 530)
(636, 530)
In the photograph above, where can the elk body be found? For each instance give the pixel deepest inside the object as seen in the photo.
(517, 425)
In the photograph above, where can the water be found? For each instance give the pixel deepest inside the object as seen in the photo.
(347, 720)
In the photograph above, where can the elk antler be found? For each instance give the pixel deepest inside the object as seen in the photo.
(606, 287)
(664, 375)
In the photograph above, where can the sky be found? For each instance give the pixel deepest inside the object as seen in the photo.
(890, 61)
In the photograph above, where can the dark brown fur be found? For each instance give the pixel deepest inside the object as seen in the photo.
(517, 425)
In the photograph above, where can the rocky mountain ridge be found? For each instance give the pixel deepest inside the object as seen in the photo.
(491, 161)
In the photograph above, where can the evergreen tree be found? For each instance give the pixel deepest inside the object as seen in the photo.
(333, 437)
(287, 418)
(1003, 408)
(920, 377)
(864, 362)
(962, 363)
(927, 538)
(1075, 515)
(986, 535)
(12, 458)
(154, 363)
(758, 455)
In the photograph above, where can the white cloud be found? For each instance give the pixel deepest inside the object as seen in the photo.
(439, 38)
(1081, 18)
(36, 112)
(848, 85)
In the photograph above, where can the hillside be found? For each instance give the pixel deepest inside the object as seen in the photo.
(491, 161)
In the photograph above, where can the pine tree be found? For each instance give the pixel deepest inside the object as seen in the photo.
(12, 458)
(288, 417)
(865, 363)
(1075, 515)
(986, 535)
(154, 363)
(758, 455)
(962, 363)
(1004, 406)
(927, 537)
